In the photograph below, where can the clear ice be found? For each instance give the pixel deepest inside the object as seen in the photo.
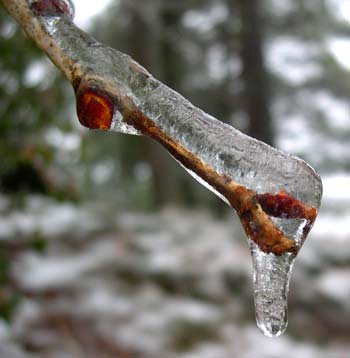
(271, 276)
(249, 162)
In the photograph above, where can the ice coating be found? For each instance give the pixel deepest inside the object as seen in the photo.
(247, 161)
(280, 185)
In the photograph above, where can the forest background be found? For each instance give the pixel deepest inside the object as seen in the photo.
(106, 228)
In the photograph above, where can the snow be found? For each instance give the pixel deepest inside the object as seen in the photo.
(205, 21)
(48, 218)
(191, 310)
(34, 272)
(341, 8)
(85, 11)
(35, 73)
(281, 7)
(340, 48)
(209, 270)
(298, 129)
(283, 347)
(335, 284)
(104, 302)
(177, 247)
(217, 64)
(295, 136)
(336, 187)
(337, 109)
(62, 140)
(324, 227)
(292, 59)
(102, 171)
(245, 342)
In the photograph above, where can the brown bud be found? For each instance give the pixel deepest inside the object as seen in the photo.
(283, 205)
(94, 108)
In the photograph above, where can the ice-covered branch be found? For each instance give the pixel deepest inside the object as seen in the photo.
(115, 93)
(276, 195)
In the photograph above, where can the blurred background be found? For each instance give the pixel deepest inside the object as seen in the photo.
(99, 258)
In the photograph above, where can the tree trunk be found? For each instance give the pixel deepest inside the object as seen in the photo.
(256, 85)
(149, 47)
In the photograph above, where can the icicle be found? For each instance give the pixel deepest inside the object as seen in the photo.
(271, 275)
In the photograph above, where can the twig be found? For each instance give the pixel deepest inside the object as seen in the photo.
(100, 97)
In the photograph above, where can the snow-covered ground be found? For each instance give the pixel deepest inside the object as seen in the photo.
(172, 284)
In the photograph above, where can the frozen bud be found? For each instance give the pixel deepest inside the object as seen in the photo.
(53, 8)
(95, 108)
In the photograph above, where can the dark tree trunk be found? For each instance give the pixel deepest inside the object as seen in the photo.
(256, 85)
(148, 46)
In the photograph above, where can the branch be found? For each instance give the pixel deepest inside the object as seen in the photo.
(115, 93)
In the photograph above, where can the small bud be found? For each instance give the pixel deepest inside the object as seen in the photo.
(94, 107)
(283, 205)
(53, 8)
